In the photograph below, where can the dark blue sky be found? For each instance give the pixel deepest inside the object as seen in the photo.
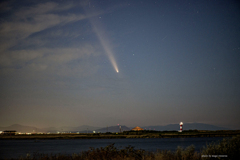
(177, 61)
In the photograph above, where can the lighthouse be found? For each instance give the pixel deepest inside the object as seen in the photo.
(181, 124)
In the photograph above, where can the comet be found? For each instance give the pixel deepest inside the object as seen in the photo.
(104, 40)
(108, 51)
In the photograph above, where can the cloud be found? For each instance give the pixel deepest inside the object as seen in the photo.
(28, 20)
(16, 29)
(29, 64)
(45, 55)
(30, 57)
(43, 8)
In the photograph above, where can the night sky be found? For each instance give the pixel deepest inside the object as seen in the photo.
(128, 62)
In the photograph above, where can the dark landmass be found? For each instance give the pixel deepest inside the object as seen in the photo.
(113, 129)
(30, 129)
(128, 134)
(186, 126)
(90, 129)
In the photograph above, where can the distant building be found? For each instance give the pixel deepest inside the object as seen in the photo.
(137, 129)
(9, 132)
(181, 124)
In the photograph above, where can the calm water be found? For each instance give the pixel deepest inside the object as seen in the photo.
(16, 148)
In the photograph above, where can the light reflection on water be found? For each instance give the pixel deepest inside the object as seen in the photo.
(16, 148)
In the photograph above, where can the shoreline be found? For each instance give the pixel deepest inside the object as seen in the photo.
(124, 135)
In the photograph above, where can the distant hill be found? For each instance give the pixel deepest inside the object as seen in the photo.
(113, 129)
(49, 129)
(80, 129)
(20, 128)
(90, 129)
(186, 126)
(30, 129)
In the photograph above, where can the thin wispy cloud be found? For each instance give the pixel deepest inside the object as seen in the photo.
(15, 35)
(26, 21)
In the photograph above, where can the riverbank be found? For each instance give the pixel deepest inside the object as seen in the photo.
(127, 134)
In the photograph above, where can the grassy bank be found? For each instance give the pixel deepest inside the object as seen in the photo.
(129, 134)
(226, 149)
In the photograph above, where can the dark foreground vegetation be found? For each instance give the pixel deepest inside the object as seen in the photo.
(226, 149)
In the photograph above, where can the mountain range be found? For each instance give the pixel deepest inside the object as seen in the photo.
(90, 129)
